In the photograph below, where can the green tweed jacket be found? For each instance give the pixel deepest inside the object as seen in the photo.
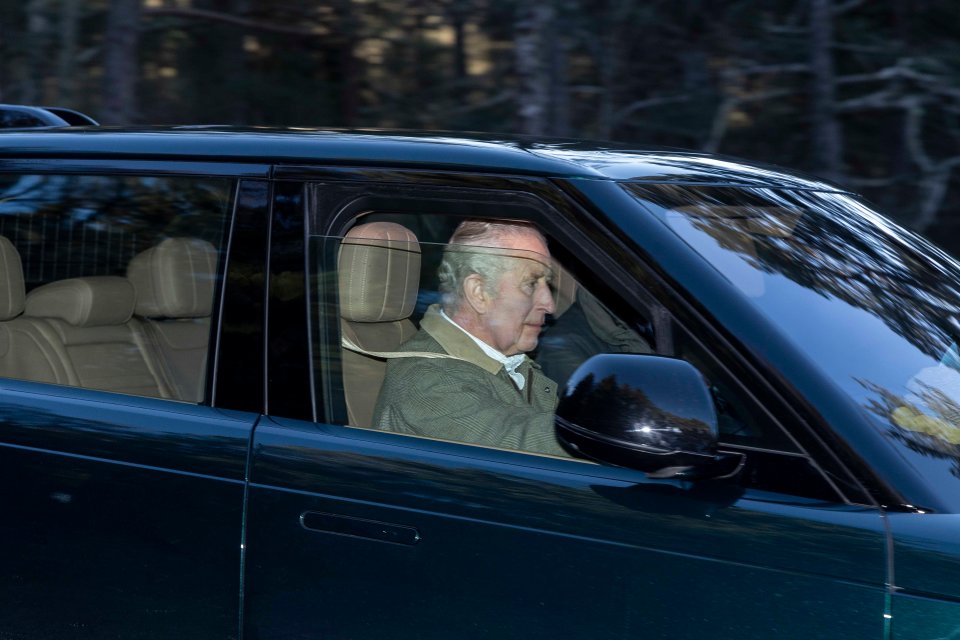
(468, 399)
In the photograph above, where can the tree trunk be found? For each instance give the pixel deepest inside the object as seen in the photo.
(37, 30)
(608, 80)
(559, 85)
(120, 62)
(611, 47)
(66, 63)
(349, 68)
(533, 78)
(458, 20)
(827, 134)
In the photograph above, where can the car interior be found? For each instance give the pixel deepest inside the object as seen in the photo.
(144, 334)
(379, 270)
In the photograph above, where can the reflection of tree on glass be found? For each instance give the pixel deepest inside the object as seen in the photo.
(76, 225)
(927, 419)
(609, 401)
(865, 302)
(832, 245)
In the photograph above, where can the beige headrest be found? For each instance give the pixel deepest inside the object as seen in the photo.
(11, 281)
(379, 266)
(95, 301)
(175, 279)
(566, 290)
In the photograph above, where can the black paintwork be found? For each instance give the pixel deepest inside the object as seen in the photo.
(652, 412)
(239, 379)
(423, 151)
(137, 518)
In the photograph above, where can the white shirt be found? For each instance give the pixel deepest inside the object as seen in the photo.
(510, 363)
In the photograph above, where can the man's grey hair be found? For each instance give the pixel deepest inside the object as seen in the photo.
(468, 252)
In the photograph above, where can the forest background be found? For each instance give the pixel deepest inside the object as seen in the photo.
(865, 93)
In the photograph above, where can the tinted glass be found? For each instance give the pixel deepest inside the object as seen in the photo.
(112, 278)
(874, 307)
(387, 290)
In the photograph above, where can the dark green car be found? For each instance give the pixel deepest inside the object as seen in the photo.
(760, 392)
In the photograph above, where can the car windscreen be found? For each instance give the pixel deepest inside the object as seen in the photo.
(874, 306)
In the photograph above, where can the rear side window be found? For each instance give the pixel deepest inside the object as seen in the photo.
(109, 282)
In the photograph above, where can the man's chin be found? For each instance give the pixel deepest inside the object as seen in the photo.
(527, 346)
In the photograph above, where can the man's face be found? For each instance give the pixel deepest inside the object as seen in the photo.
(522, 297)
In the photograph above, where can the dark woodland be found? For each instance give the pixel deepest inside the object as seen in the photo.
(863, 93)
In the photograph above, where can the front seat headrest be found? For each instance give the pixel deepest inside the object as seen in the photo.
(379, 273)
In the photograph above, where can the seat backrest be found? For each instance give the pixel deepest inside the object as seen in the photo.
(379, 276)
(12, 292)
(25, 352)
(174, 283)
(93, 340)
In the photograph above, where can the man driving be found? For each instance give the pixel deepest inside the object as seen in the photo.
(465, 375)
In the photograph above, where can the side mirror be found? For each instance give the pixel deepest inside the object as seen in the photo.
(645, 412)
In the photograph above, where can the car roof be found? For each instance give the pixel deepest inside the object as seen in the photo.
(400, 149)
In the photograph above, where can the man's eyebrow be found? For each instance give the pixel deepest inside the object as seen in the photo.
(542, 271)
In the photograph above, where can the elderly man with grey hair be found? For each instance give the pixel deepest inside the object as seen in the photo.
(465, 376)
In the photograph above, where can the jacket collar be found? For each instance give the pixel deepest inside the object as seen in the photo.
(454, 341)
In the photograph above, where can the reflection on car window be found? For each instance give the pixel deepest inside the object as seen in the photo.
(110, 280)
(873, 306)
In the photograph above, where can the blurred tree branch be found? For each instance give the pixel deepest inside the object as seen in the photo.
(238, 21)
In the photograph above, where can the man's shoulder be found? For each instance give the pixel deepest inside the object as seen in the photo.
(411, 369)
(407, 359)
(421, 341)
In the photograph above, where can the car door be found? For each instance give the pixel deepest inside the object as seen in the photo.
(360, 533)
(121, 508)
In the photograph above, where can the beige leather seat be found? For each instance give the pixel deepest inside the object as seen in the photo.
(91, 339)
(25, 351)
(379, 276)
(174, 283)
(565, 290)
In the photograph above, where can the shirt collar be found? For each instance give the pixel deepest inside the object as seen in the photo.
(510, 363)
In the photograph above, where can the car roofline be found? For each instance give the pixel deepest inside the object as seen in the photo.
(430, 150)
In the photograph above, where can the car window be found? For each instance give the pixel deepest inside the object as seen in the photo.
(871, 306)
(109, 281)
(412, 362)
(385, 290)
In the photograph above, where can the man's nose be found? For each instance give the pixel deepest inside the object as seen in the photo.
(545, 299)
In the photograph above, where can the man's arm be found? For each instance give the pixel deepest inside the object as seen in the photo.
(458, 401)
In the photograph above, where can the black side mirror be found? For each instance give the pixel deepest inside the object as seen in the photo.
(645, 412)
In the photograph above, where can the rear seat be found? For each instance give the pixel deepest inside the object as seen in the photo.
(174, 283)
(81, 331)
(91, 339)
(25, 352)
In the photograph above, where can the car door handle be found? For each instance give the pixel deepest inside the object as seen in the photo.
(359, 527)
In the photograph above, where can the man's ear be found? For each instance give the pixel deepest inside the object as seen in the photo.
(475, 293)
